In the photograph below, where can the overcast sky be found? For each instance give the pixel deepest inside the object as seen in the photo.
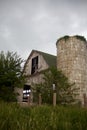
(37, 24)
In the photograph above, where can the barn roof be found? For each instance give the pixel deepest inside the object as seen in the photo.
(50, 59)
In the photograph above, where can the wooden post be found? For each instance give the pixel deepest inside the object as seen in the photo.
(40, 99)
(29, 100)
(54, 98)
(85, 100)
(54, 95)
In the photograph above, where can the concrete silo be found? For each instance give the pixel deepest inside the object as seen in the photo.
(72, 60)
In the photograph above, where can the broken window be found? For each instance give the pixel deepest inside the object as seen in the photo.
(26, 92)
(34, 65)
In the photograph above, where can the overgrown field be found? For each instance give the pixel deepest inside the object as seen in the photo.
(14, 117)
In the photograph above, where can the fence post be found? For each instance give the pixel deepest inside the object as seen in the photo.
(40, 99)
(54, 95)
(85, 99)
(29, 100)
(54, 98)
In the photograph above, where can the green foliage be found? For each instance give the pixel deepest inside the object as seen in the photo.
(14, 117)
(64, 89)
(7, 94)
(80, 38)
(10, 74)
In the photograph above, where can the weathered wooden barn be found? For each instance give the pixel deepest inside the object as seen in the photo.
(36, 63)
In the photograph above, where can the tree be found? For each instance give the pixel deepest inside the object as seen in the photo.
(10, 74)
(64, 89)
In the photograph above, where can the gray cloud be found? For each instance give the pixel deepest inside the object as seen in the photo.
(37, 24)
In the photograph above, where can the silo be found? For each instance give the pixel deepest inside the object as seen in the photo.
(72, 60)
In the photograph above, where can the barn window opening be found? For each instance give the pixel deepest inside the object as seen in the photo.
(26, 92)
(34, 65)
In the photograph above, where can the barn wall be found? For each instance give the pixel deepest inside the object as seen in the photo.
(36, 79)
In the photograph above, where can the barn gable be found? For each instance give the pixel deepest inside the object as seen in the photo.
(38, 61)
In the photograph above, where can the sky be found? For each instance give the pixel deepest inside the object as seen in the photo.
(27, 25)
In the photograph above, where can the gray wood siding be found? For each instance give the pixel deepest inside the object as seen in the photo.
(42, 65)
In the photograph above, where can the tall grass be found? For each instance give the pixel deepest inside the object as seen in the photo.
(14, 117)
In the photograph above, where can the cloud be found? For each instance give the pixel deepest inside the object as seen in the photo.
(37, 24)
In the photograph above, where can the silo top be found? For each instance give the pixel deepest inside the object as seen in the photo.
(65, 38)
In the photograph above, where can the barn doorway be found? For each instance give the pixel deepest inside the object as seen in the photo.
(26, 92)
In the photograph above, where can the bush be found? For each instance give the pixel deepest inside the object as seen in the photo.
(10, 75)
